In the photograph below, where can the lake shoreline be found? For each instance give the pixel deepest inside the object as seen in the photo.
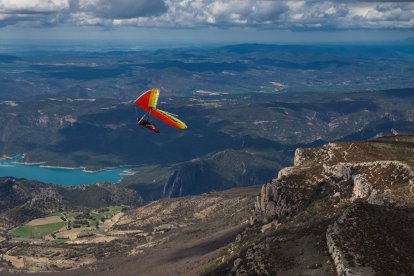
(61, 175)
(42, 164)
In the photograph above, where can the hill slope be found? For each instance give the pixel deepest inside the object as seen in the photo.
(174, 235)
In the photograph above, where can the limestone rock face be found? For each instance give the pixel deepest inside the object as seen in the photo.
(362, 188)
(300, 157)
(363, 193)
(376, 181)
(340, 170)
(285, 171)
(281, 201)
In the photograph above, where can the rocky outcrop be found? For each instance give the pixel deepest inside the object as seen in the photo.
(363, 195)
(362, 188)
(377, 182)
(300, 157)
(281, 201)
(340, 170)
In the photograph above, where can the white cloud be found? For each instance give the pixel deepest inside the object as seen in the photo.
(33, 6)
(292, 14)
(122, 9)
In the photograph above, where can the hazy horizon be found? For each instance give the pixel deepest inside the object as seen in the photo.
(174, 23)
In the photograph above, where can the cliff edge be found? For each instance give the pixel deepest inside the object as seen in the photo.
(342, 209)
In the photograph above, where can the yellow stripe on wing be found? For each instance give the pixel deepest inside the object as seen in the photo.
(152, 104)
(178, 123)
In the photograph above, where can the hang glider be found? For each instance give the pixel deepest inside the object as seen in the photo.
(148, 102)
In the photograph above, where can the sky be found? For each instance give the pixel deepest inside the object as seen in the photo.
(205, 21)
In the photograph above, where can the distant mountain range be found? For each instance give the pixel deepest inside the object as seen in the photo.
(232, 69)
(257, 133)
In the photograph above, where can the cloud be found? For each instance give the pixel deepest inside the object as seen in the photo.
(291, 14)
(32, 6)
(32, 13)
(122, 9)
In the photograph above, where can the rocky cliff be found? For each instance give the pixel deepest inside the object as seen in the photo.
(214, 172)
(344, 209)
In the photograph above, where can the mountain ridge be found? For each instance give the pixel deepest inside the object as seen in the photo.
(311, 217)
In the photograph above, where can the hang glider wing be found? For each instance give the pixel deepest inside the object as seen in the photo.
(168, 119)
(148, 102)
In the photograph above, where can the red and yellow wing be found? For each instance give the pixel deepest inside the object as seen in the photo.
(148, 102)
(168, 119)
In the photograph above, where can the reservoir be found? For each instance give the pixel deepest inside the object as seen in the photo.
(61, 176)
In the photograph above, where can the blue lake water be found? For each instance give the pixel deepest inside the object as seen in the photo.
(60, 176)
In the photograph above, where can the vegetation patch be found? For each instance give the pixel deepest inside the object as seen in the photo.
(76, 223)
(46, 220)
(36, 231)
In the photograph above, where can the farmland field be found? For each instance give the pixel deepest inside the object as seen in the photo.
(36, 231)
(43, 221)
(77, 222)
